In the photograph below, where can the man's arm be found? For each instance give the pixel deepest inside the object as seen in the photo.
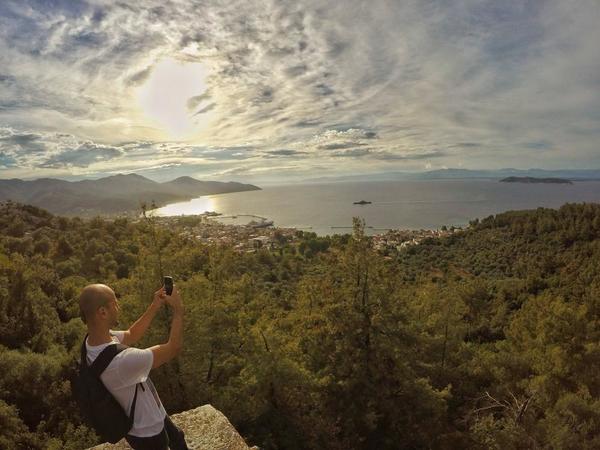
(139, 327)
(166, 352)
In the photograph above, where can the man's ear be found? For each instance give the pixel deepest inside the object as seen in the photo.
(102, 311)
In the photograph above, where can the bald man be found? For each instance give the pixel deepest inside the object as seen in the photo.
(152, 427)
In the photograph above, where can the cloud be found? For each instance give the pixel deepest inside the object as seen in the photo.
(466, 145)
(389, 156)
(195, 101)
(345, 138)
(285, 153)
(83, 156)
(307, 124)
(539, 145)
(206, 109)
(384, 155)
(228, 154)
(7, 160)
(323, 89)
(489, 83)
(139, 77)
(153, 168)
(249, 170)
(21, 142)
(353, 153)
(339, 145)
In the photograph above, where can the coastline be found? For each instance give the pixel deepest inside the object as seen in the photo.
(204, 228)
(328, 209)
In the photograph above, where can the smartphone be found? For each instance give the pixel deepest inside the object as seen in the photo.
(168, 282)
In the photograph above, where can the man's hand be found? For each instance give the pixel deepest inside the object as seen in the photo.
(160, 296)
(174, 300)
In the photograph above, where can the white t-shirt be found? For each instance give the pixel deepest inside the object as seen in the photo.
(128, 368)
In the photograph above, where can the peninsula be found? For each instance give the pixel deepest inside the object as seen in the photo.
(535, 180)
(114, 195)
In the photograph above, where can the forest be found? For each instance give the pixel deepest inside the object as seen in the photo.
(485, 339)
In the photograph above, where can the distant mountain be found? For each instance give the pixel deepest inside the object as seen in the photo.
(110, 195)
(187, 184)
(461, 174)
(530, 180)
(583, 174)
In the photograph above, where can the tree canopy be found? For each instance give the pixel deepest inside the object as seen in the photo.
(487, 338)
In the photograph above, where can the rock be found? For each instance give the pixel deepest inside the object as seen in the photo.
(205, 428)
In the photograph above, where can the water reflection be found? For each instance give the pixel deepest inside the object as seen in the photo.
(194, 206)
(395, 204)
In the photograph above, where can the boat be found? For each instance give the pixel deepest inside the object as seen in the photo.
(362, 202)
(261, 224)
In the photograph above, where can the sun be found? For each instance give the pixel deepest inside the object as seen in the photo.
(165, 94)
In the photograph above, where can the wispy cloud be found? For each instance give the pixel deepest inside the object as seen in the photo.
(349, 85)
(83, 155)
(284, 153)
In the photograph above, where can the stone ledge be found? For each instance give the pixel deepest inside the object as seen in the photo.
(205, 428)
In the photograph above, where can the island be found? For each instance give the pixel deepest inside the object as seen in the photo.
(362, 202)
(535, 180)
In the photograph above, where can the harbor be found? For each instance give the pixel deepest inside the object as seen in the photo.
(240, 219)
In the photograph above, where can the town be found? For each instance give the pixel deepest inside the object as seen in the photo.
(248, 238)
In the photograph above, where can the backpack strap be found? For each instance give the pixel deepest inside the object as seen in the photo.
(105, 357)
(84, 352)
(132, 413)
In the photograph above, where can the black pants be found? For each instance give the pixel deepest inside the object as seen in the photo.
(170, 437)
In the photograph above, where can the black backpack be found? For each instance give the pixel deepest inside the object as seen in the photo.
(99, 408)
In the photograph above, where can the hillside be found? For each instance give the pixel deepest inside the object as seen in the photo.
(109, 195)
(486, 338)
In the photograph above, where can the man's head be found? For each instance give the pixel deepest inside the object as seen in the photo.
(99, 306)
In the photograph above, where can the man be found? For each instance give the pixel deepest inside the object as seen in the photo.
(152, 427)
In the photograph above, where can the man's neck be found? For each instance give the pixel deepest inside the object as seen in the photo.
(99, 336)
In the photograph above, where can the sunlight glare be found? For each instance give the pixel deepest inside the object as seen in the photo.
(191, 207)
(164, 96)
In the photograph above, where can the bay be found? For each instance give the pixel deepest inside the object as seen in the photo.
(428, 204)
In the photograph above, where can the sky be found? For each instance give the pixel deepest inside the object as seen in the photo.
(279, 91)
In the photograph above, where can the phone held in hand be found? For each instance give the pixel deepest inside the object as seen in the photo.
(168, 282)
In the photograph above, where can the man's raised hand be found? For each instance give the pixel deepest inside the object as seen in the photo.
(160, 296)
(174, 300)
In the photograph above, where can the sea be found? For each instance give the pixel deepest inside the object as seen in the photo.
(429, 204)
